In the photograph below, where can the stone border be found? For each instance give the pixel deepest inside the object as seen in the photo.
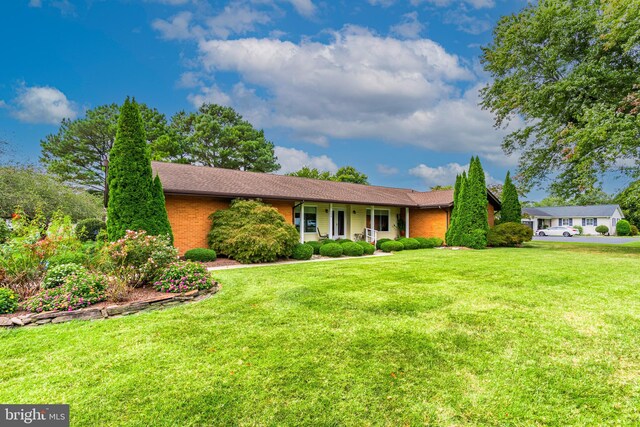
(91, 313)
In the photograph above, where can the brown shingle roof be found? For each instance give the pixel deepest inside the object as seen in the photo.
(201, 180)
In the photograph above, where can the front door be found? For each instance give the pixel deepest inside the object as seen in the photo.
(338, 223)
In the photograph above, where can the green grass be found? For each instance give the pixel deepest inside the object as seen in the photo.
(544, 335)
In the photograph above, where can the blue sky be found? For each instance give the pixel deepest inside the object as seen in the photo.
(387, 86)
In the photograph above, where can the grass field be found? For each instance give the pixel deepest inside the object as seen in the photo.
(543, 335)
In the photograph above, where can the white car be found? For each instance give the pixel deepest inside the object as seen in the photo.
(565, 231)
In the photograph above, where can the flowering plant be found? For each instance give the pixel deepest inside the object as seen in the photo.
(8, 301)
(184, 277)
(78, 290)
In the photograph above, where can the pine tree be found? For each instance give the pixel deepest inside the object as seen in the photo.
(129, 177)
(511, 210)
(451, 234)
(474, 223)
(158, 210)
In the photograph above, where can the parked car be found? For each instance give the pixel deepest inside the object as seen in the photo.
(565, 231)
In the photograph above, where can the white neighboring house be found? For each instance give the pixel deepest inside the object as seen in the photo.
(588, 217)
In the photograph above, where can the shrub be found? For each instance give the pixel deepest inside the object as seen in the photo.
(409, 243)
(302, 251)
(325, 241)
(5, 231)
(117, 289)
(315, 245)
(623, 228)
(477, 239)
(343, 241)
(429, 242)
(368, 248)
(68, 257)
(20, 270)
(392, 246)
(55, 275)
(200, 254)
(331, 250)
(8, 301)
(579, 228)
(602, 229)
(250, 231)
(184, 277)
(77, 291)
(509, 234)
(380, 242)
(138, 258)
(88, 229)
(352, 249)
(634, 230)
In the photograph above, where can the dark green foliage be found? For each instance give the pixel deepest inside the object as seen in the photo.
(8, 301)
(451, 235)
(250, 231)
(331, 250)
(184, 277)
(69, 257)
(315, 245)
(5, 231)
(56, 275)
(629, 201)
(623, 228)
(302, 251)
(392, 246)
(430, 242)
(325, 241)
(381, 241)
(77, 291)
(129, 177)
(602, 229)
(352, 249)
(409, 243)
(344, 174)
(88, 229)
(368, 248)
(634, 230)
(200, 254)
(343, 240)
(511, 210)
(159, 219)
(579, 228)
(509, 234)
(477, 239)
(470, 220)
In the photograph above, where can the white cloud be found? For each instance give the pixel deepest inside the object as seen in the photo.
(386, 170)
(303, 7)
(3, 104)
(236, 19)
(35, 3)
(467, 23)
(292, 160)
(443, 175)
(210, 95)
(478, 4)
(410, 27)
(178, 27)
(42, 104)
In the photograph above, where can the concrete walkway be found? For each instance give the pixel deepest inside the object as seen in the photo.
(586, 239)
(318, 259)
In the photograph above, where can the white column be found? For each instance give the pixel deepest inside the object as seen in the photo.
(331, 220)
(302, 223)
(406, 222)
(373, 233)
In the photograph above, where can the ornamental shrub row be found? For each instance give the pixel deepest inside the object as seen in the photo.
(200, 254)
(184, 277)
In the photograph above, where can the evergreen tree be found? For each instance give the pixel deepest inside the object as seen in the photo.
(473, 217)
(130, 177)
(159, 220)
(511, 210)
(451, 231)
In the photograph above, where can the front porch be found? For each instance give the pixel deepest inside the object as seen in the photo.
(349, 221)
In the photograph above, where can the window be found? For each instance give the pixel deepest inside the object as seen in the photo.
(310, 222)
(566, 221)
(380, 218)
(589, 221)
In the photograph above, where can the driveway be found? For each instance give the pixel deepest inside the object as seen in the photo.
(585, 239)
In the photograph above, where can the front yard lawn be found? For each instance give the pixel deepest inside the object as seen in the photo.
(547, 334)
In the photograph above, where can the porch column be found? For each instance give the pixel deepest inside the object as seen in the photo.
(330, 220)
(406, 222)
(373, 210)
(302, 223)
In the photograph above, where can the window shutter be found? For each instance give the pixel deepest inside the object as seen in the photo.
(595, 221)
(584, 221)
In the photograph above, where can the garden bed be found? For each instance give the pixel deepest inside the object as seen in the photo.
(140, 299)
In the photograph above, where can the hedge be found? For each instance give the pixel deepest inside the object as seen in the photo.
(331, 250)
(381, 241)
(315, 245)
(392, 246)
(409, 243)
(302, 251)
(352, 249)
(200, 254)
(368, 248)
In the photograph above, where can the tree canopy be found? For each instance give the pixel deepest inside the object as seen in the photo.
(344, 174)
(571, 70)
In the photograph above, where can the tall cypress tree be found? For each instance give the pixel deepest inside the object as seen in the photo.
(158, 211)
(473, 218)
(511, 210)
(129, 177)
(452, 231)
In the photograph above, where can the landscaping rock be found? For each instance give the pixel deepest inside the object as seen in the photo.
(17, 321)
(5, 321)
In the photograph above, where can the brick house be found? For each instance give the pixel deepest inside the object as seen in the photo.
(328, 209)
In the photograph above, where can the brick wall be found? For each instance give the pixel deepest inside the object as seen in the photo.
(492, 215)
(427, 223)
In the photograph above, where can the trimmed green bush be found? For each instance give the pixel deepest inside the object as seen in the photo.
(602, 229)
(343, 240)
(200, 254)
(579, 228)
(331, 250)
(250, 231)
(352, 249)
(392, 246)
(381, 241)
(429, 242)
(184, 277)
(477, 239)
(409, 243)
(69, 257)
(302, 251)
(315, 245)
(509, 234)
(8, 301)
(325, 241)
(88, 229)
(56, 275)
(368, 248)
(634, 230)
(623, 228)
